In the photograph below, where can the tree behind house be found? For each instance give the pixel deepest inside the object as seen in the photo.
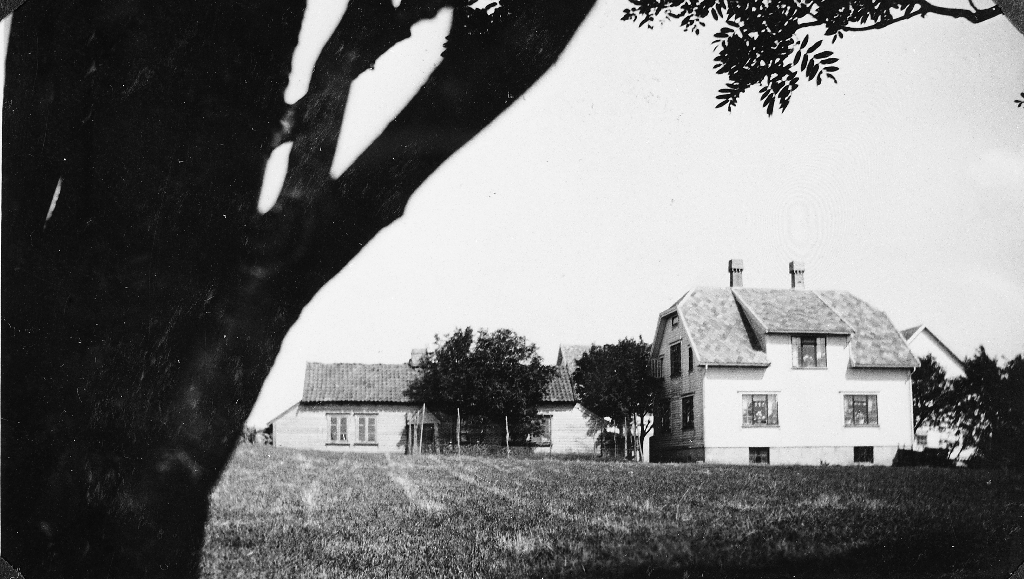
(933, 400)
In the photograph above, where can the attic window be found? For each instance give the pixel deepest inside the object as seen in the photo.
(809, 352)
(675, 320)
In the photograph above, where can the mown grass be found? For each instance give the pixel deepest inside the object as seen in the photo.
(287, 513)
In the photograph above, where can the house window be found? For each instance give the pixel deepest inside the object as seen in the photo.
(675, 321)
(542, 436)
(863, 454)
(860, 410)
(664, 417)
(686, 415)
(809, 352)
(658, 367)
(760, 455)
(691, 358)
(366, 429)
(922, 439)
(337, 432)
(675, 356)
(760, 410)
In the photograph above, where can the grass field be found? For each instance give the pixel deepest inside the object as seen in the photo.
(287, 513)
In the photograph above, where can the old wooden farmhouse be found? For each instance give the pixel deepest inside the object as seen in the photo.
(780, 376)
(364, 408)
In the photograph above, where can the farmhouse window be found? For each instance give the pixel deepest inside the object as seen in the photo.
(760, 455)
(863, 454)
(922, 439)
(691, 358)
(809, 352)
(658, 367)
(338, 429)
(675, 356)
(366, 429)
(663, 414)
(760, 410)
(860, 410)
(686, 415)
(542, 437)
(675, 321)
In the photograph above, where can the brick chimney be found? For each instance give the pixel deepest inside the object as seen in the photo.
(796, 274)
(417, 356)
(735, 273)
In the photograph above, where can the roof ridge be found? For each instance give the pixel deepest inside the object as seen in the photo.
(853, 329)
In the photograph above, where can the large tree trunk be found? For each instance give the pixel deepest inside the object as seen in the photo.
(141, 318)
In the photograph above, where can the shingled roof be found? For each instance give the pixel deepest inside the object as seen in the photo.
(388, 383)
(780, 311)
(724, 325)
(876, 343)
(720, 333)
(357, 382)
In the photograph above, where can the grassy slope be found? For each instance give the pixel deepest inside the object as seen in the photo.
(285, 513)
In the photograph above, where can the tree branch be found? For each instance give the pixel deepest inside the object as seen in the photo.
(974, 16)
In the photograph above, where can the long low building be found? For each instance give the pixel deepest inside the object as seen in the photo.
(364, 408)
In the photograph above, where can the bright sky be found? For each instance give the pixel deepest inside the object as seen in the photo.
(615, 185)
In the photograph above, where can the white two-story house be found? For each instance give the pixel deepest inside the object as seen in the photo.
(780, 376)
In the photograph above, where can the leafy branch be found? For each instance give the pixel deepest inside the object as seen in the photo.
(757, 44)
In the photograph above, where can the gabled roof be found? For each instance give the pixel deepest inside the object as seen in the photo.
(720, 334)
(792, 311)
(911, 332)
(357, 382)
(875, 343)
(560, 389)
(953, 365)
(389, 382)
(726, 326)
(569, 354)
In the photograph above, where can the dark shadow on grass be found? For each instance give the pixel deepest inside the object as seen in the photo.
(927, 555)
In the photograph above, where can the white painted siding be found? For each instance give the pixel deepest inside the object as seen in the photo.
(811, 425)
(307, 427)
(574, 429)
(924, 344)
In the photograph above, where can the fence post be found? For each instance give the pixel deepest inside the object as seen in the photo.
(423, 414)
(508, 451)
(458, 430)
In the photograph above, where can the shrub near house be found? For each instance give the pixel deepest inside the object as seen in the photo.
(781, 376)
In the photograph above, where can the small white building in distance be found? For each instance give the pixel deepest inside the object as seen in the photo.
(780, 376)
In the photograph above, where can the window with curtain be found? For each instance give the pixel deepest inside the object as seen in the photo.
(337, 430)
(861, 409)
(760, 410)
(686, 416)
(809, 352)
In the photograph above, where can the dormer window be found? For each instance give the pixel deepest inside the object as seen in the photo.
(809, 352)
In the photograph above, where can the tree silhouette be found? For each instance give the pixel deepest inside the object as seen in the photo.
(143, 310)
